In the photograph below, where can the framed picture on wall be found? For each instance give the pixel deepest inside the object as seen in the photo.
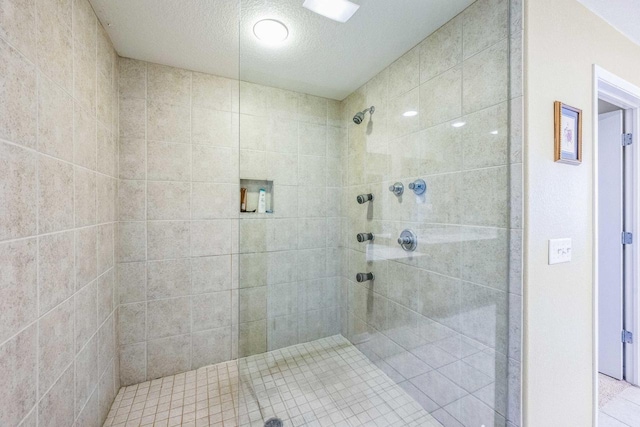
(568, 134)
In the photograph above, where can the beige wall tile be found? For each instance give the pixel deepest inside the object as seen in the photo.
(86, 374)
(215, 164)
(132, 78)
(170, 278)
(404, 73)
(441, 51)
(168, 200)
(55, 201)
(211, 274)
(86, 255)
(210, 347)
(485, 23)
(168, 84)
(84, 138)
(132, 118)
(440, 98)
(168, 122)
(55, 345)
(132, 323)
(210, 237)
(106, 152)
(132, 282)
(132, 158)
(213, 127)
(211, 311)
(57, 406)
(106, 198)
(18, 376)
(84, 55)
(85, 197)
(19, 187)
(167, 239)
(86, 319)
(17, 26)
(214, 201)
(105, 241)
(131, 241)
(105, 296)
(106, 344)
(168, 162)
(168, 355)
(133, 363)
(168, 317)
(56, 269)
(487, 84)
(55, 120)
(132, 200)
(18, 104)
(55, 46)
(213, 91)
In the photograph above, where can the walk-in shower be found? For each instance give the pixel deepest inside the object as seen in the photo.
(230, 245)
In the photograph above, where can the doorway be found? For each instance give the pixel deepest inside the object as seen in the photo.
(616, 212)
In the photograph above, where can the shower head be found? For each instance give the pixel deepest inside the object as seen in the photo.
(359, 117)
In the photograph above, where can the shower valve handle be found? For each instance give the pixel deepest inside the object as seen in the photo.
(397, 189)
(363, 277)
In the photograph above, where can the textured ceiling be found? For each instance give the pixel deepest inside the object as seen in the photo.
(624, 15)
(320, 57)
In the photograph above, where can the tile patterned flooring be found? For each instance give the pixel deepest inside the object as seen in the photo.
(327, 382)
(622, 411)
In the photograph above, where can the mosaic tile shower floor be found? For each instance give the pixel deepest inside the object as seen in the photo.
(323, 383)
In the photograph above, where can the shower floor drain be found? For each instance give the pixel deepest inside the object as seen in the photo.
(273, 422)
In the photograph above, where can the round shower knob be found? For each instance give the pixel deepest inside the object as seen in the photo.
(408, 240)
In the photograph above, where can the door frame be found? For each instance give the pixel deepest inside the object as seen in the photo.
(613, 89)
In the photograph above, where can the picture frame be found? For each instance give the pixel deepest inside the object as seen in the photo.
(568, 134)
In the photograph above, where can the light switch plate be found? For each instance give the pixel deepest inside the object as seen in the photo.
(559, 251)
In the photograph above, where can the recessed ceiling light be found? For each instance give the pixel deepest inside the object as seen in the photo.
(410, 113)
(270, 31)
(338, 10)
(494, 132)
(458, 124)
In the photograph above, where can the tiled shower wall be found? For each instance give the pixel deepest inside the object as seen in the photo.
(201, 283)
(57, 190)
(438, 320)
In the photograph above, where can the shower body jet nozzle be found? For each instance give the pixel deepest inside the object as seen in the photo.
(359, 117)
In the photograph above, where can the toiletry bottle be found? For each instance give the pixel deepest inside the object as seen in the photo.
(243, 199)
(262, 201)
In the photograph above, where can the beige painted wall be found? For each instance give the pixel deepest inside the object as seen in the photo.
(562, 42)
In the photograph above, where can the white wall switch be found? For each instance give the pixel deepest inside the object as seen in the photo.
(559, 251)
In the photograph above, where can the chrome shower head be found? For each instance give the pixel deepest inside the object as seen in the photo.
(359, 117)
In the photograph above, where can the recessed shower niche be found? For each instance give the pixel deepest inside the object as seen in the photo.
(253, 187)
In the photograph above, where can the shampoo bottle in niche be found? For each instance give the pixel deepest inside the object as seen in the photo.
(262, 201)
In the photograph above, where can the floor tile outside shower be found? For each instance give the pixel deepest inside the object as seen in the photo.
(327, 382)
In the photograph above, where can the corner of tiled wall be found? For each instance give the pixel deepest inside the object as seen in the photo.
(516, 140)
(58, 185)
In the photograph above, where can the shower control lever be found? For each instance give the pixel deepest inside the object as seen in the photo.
(363, 277)
(397, 189)
(363, 237)
(408, 240)
(418, 186)
(364, 198)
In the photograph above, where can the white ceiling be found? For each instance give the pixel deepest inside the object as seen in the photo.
(320, 57)
(624, 15)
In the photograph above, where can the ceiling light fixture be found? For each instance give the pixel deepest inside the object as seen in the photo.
(494, 132)
(410, 113)
(338, 10)
(270, 31)
(458, 124)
